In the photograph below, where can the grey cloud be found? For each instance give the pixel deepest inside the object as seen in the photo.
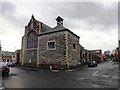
(91, 12)
(8, 8)
(73, 13)
(95, 14)
(66, 9)
(9, 11)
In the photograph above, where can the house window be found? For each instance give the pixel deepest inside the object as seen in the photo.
(74, 46)
(51, 45)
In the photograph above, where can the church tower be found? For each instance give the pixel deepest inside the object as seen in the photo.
(59, 21)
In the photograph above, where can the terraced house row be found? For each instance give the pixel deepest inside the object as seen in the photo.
(43, 46)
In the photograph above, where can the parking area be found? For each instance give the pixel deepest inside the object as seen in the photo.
(105, 75)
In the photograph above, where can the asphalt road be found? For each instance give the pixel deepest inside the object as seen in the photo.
(103, 76)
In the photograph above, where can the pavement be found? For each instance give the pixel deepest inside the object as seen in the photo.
(103, 76)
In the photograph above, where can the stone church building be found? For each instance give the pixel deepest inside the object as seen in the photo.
(43, 46)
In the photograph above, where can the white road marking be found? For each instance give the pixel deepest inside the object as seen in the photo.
(69, 70)
(55, 70)
(105, 76)
(115, 77)
(94, 74)
(100, 69)
(95, 85)
(81, 78)
(107, 81)
(32, 72)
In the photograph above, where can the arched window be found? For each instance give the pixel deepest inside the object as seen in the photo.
(32, 40)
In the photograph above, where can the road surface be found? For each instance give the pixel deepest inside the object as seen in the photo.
(103, 76)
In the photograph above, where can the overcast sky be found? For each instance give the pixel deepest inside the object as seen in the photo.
(95, 22)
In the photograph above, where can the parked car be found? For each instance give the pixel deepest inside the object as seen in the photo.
(92, 64)
(10, 64)
(4, 69)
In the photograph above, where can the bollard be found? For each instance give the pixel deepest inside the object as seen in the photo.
(50, 67)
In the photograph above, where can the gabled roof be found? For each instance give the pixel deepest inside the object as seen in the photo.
(59, 19)
(44, 26)
(81, 46)
(57, 29)
(47, 29)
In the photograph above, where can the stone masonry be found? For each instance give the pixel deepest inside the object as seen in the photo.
(58, 47)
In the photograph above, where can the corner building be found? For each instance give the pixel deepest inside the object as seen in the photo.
(43, 46)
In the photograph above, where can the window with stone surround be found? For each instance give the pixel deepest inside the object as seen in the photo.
(51, 45)
(74, 46)
(32, 40)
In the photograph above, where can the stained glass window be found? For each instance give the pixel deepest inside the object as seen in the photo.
(32, 40)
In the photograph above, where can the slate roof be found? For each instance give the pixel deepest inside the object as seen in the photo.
(47, 29)
(56, 29)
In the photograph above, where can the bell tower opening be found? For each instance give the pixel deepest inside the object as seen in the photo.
(59, 21)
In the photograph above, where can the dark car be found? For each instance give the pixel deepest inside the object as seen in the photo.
(4, 69)
(10, 64)
(92, 64)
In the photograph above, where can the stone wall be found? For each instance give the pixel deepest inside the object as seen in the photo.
(73, 54)
(30, 56)
(56, 56)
